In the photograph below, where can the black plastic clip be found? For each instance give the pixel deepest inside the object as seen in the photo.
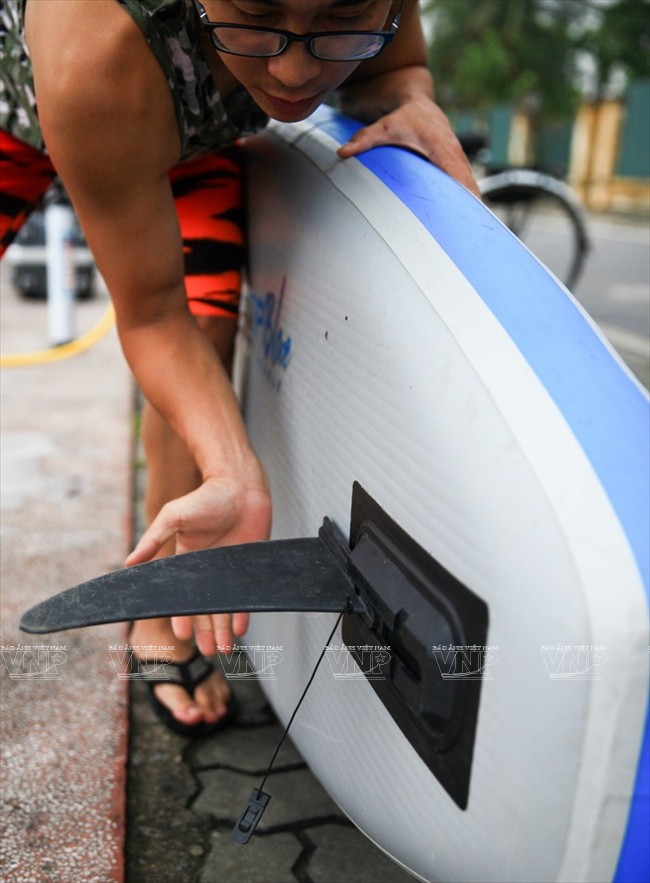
(257, 803)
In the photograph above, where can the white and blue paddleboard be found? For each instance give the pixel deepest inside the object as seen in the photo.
(397, 336)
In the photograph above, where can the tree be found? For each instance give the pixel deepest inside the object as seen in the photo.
(533, 52)
(618, 43)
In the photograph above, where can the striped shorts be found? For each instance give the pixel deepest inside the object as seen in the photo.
(209, 198)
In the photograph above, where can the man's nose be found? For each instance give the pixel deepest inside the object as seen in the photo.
(295, 67)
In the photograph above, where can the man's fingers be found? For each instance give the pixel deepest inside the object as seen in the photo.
(182, 627)
(223, 636)
(205, 635)
(213, 632)
(161, 529)
(151, 542)
(240, 623)
(435, 142)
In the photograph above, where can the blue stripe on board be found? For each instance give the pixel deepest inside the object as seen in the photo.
(607, 412)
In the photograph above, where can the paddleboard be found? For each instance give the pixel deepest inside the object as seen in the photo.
(400, 347)
(420, 386)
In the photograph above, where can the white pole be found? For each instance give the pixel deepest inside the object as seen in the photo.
(59, 232)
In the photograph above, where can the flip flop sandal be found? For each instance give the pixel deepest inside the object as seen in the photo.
(184, 674)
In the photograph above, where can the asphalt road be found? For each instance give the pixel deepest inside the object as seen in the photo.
(615, 287)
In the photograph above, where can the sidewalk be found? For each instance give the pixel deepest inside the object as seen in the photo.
(66, 500)
(66, 486)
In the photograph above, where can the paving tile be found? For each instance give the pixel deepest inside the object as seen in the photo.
(296, 798)
(244, 749)
(254, 708)
(262, 858)
(345, 855)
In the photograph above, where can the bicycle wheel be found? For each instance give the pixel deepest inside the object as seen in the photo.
(544, 214)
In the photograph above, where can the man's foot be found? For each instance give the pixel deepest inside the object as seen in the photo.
(196, 695)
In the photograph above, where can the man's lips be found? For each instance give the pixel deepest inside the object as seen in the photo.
(292, 108)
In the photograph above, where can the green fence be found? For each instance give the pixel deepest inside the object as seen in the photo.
(634, 151)
(552, 139)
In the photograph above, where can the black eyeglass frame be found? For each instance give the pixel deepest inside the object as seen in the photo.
(290, 37)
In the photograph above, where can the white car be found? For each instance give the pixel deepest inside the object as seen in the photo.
(27, 256)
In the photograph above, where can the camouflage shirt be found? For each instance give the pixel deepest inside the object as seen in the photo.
(17, 101)
(172, 29)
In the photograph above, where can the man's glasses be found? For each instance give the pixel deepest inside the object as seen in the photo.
(254, 42)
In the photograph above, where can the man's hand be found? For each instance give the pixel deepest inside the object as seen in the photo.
(220, 512)
(421, 126)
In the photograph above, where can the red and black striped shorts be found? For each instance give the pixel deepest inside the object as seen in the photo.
(209, 198)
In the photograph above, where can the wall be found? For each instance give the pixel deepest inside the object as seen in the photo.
(604, 152)
(610, 152)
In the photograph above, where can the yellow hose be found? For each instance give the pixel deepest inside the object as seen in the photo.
(66, 350)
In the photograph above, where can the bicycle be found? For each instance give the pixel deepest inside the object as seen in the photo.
(541, 210)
